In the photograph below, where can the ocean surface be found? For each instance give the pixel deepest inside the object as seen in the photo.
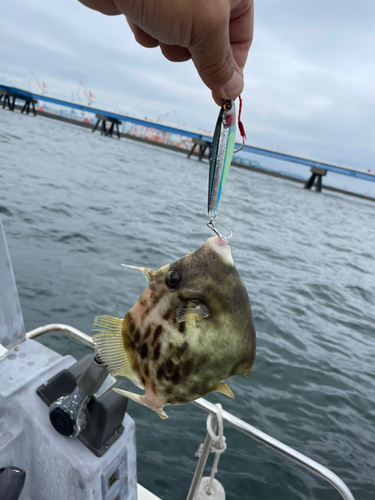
(75, 205)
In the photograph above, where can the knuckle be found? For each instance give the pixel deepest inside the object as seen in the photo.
(218, 18)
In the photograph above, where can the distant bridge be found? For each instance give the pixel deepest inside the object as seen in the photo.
(308, 162)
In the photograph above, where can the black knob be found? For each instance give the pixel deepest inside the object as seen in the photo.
(12, 480)
(61, 422)
(98, 360)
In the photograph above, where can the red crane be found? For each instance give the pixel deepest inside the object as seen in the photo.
(88, 94)
(42, 86)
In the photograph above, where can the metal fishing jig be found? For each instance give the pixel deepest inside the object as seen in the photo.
(221, 154)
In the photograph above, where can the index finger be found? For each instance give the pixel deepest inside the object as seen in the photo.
(241, 29)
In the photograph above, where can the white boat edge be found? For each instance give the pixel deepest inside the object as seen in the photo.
(144, 494)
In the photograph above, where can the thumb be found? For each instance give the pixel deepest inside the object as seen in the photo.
(231, 90)
(212, 56)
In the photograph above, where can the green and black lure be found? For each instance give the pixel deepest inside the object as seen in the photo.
(221, 155)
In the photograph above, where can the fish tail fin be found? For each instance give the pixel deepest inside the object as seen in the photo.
(109, 346)
(138, 398)
(225, 389)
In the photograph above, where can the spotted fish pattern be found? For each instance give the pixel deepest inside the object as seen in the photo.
(190, 329)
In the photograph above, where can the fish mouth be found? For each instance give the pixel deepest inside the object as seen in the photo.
(216, 240)
(222, 248)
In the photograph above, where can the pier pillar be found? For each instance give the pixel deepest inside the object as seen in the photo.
(104, 131)
(316, 173)
(5, 96)
(203, 145)
(9, 99)
(26, 106)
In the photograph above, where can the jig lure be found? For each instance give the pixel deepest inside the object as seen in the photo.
(221, 156)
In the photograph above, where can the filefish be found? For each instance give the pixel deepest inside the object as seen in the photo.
(190, 330)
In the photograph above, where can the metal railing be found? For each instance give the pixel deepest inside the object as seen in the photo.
(283, 449)
(58, 327)
(232, 420)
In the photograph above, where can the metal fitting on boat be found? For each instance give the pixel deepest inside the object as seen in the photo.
(68, 413)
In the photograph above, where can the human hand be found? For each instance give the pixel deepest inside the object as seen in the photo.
(215, 34)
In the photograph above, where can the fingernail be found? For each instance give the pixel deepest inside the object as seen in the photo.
(234, 87)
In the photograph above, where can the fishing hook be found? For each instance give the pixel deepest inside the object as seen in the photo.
(239, 149)
(211, 226)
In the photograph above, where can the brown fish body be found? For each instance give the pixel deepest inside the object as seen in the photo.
(190, 329)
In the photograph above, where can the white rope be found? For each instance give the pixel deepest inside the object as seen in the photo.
(219, 444)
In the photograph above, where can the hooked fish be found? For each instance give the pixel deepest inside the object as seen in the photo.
(190, 329)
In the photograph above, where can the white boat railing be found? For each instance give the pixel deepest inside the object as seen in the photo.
(232, 420)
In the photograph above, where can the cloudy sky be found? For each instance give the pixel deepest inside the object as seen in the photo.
(309, 78)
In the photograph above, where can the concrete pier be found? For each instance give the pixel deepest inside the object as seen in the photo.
(316, 173)
(318, 168)
(203, 146)
(9, 99)
(104, 130)
(6, 98)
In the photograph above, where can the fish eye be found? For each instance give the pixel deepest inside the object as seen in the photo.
(172, 278)
(227, 105)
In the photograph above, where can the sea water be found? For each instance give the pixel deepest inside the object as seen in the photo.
(76, 205)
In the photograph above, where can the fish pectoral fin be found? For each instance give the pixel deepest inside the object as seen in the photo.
(225, 389)
(109, 346)
(149, 274)
(199, 311)
(138, 398)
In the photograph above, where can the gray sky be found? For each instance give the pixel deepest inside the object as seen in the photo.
(309, 78)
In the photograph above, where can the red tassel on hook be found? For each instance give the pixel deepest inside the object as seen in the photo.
(240, 124)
